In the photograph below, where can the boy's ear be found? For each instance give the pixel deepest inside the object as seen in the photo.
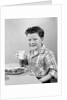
(42, 38)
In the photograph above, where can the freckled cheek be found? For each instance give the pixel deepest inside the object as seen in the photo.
(38, 43)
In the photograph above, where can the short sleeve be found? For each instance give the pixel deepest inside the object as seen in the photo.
(51, 62)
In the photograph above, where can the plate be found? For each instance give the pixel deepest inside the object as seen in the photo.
(15, 71)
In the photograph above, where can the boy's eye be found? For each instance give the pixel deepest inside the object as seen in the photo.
(33, 39)
(29, 39)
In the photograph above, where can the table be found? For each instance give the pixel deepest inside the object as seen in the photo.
(24, 78)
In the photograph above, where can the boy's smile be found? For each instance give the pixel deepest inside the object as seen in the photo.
(34, 41)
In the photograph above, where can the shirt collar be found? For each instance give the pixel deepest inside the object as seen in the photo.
(41, 51)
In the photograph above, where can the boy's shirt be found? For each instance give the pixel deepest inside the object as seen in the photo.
(42, 62)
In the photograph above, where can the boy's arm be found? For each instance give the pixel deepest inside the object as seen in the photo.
(45, 78)
(51, 64)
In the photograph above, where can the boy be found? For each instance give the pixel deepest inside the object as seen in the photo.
(41, 61)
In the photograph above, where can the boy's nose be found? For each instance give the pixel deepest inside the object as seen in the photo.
(32, 42)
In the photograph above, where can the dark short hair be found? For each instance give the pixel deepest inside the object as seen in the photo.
(35, 29)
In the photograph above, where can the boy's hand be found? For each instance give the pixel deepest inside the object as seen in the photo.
(45, 78)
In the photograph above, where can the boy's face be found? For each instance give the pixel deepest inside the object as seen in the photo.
(34, 41)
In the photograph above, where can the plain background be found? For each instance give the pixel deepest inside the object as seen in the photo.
(15, 38)
(64, 58)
